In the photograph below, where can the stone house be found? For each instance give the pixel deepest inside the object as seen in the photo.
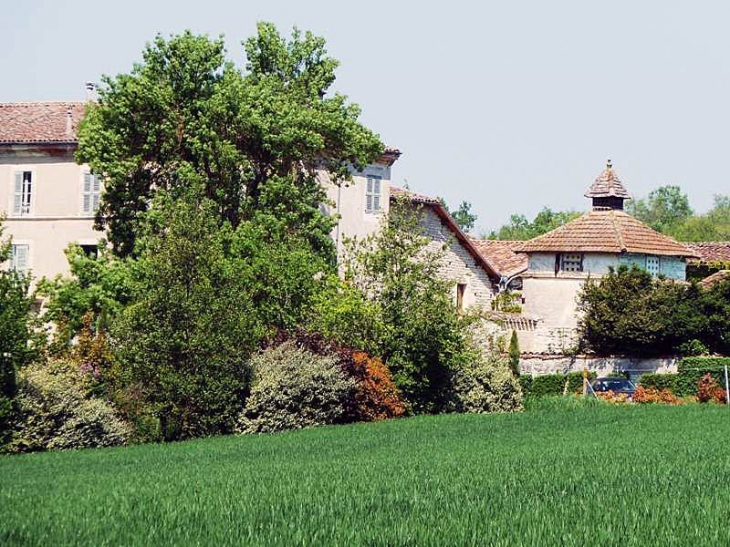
(48, 199)
(559, 262)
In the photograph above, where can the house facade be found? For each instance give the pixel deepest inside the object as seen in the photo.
(48, 200)
(559, 262)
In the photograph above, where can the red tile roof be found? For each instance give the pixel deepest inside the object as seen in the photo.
(40, 123)
(708, 252)
(714, 279)
(502, 255)
(607, 231)
(607, 184)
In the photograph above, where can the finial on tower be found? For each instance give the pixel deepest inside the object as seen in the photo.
(608, 163)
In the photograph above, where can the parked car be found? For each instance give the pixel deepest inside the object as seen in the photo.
(616, 385)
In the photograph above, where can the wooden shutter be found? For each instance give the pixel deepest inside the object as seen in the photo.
(20, 257)
(18, 193)
(87, 192)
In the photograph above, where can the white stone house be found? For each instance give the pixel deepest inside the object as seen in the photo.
(559, 262)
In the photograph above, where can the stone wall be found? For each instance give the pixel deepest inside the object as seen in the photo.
(458, 265)
(537, 365)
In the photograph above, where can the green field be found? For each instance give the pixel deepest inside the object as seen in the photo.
(598, 475)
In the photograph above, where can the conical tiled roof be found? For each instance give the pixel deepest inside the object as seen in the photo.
(607, 184)
(607, 231)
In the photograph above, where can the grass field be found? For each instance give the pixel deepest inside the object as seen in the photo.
(597, 475)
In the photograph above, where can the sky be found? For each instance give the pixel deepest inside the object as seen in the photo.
(510, 105)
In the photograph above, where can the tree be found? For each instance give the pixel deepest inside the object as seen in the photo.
(665, 209)
(519, 228)
(514, 354)
(463, 215)
(184, 341)
(254, 138)
(17, 345)
(421, 337)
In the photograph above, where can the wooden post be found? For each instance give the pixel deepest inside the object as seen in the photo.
(585, 381)
(727, 388)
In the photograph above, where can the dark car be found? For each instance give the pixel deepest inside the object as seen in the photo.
(617, 385)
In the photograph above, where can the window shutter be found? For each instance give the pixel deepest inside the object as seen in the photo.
(97, 183)
(370, 186)
(369, 203)
(87, 182)
(376, 202)
(18, 193)
(20, 257)
(377, 186)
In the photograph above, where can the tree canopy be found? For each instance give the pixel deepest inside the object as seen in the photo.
(463, 215)
(254, 138)
(519, 228)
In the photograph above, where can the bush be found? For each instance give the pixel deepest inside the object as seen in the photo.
(514, 354)
(375, 395)
(553, 384)
(644, 395)
(53, 412)
(293, 388)
(691, 369)
(486, 385)
(709, 390)
(660, 382)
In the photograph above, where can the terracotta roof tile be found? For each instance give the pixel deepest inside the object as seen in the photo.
(41, 123)
(607, 184)
(607, 231)
(502, 255)
(714, 279)
(714, 251)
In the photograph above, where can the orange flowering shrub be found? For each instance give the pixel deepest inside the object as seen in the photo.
(645, 395)
(709, 390)
(614, 398)
(376, 397)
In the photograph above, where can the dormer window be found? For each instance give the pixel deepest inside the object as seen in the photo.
(373, 194)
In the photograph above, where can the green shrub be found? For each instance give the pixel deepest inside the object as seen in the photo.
(53, 412)
(553, 384)
(486, 385)
(293, 388)
(659, 381)
(691, 369)
(514, 354)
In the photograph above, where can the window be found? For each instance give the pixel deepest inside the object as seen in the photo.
(652, 265)
(372, 195)
(19, 260)
(460, 290)
(22, 193)
(572, 262)
(91, 193)
(92, 251)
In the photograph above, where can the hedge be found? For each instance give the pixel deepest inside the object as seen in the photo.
(553, 384)
(689, 372)
(660, 381)
(691, 369)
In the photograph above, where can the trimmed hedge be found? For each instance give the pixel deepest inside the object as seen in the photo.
(659, 381)
(553, 384)
(689, 372)
(691, 369)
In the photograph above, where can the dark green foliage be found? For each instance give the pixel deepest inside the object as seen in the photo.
(252, 137)
(577, 473)
(553, 384)
(519, 228)
(514, 354)
(660, 381)
(629, 312)
(183, 343)
(691, 369)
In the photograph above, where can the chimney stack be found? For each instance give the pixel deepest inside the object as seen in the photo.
(91, 88)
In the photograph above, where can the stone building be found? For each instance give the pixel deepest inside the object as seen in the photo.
(560, 261)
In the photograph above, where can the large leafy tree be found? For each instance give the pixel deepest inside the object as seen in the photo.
(462, 215)
(255, 137)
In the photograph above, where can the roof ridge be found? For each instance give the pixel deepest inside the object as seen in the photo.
(619, 237)
(36, 103)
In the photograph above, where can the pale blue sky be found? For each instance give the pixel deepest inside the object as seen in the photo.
(511, 105)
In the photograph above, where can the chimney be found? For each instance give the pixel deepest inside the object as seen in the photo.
(91, 88)
(69, 124)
